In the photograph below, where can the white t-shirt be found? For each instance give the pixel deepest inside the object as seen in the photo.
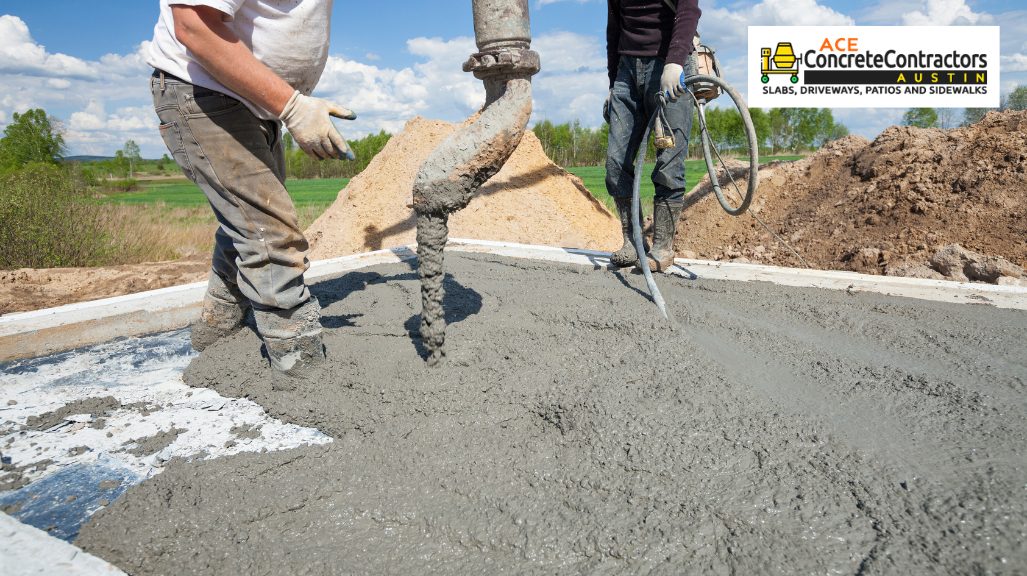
(289, 36)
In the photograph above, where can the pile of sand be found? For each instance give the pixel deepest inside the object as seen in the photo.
(886, 206)
(531, 200)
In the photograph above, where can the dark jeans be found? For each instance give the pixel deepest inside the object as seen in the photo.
(632, 105)
(238, 161)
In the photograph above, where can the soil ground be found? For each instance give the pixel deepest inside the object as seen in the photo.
(570, 431)
(32, 289)
(876, 207)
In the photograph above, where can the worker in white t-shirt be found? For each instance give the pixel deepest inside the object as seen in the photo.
(228, 74)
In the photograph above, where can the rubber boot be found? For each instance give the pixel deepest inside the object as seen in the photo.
(293, 342)
(665, 221)
(627, 255)
(224, 312)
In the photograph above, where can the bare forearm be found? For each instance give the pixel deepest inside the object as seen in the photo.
(228, 60)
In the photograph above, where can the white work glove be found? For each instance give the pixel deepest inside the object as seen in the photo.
(670, 82)
(309, 121)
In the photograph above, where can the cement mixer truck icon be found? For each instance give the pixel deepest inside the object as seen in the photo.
(783, 62)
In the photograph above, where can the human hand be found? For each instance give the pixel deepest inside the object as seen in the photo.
(670, 81)
(309, 121)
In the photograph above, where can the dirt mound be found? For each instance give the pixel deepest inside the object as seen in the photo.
(31, 289)
(530, 200)
(883, 206)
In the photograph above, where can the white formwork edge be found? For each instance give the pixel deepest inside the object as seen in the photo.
(25, 550)
(43, 332)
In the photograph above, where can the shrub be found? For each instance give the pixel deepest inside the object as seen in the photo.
(47, 220)
(123, 185)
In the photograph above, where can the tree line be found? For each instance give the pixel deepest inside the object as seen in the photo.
(778, 130)
(946, 117)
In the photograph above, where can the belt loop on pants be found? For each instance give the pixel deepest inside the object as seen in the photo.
(162, 86)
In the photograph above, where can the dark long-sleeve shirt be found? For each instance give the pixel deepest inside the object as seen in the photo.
(649, 28)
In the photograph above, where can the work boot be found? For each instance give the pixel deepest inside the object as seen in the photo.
(665, 221)
(627, 255)
(224, 312)
(293, 342)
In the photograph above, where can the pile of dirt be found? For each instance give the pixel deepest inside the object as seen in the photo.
(531, 200)
(882, 207)
(31, 288)
(571, 431)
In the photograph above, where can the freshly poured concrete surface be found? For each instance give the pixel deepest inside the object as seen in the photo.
(571, 431)
(77, 429)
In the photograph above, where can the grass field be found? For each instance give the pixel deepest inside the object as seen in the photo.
(181, 193)
(594, 178)
(170, 219)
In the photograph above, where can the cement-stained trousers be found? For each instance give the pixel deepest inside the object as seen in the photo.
(238, 161)
(632, 104)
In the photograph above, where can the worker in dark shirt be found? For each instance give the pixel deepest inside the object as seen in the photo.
(649, 45)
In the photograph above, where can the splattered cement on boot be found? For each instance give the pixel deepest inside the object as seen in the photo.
(779, 430)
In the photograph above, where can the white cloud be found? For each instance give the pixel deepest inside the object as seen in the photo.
(570, 52)
(94, 117)
(725, 27)
(19, 53)
(1014, 63)
(944, 13)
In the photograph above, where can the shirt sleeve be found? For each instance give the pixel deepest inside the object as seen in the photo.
(612, 39)
(228, 7)
(685, 24)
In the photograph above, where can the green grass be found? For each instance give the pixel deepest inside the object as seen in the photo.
(181, 193)
(594, 178)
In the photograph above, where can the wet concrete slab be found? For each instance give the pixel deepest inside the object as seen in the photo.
(570, 430)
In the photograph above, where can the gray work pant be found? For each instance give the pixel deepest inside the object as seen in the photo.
(632, 104)
(238, 161)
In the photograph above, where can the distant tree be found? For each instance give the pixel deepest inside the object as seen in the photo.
(761, 122)
(920, 117)
(780, 128)
(946, 118)
(974, 115)
(31, 137)
(838, 131)
(132, 154)
(1017, 99)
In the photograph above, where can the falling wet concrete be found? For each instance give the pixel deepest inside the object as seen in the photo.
(432, 235)
(570, 431)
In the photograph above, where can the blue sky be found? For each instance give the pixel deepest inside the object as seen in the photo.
(82, 62)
